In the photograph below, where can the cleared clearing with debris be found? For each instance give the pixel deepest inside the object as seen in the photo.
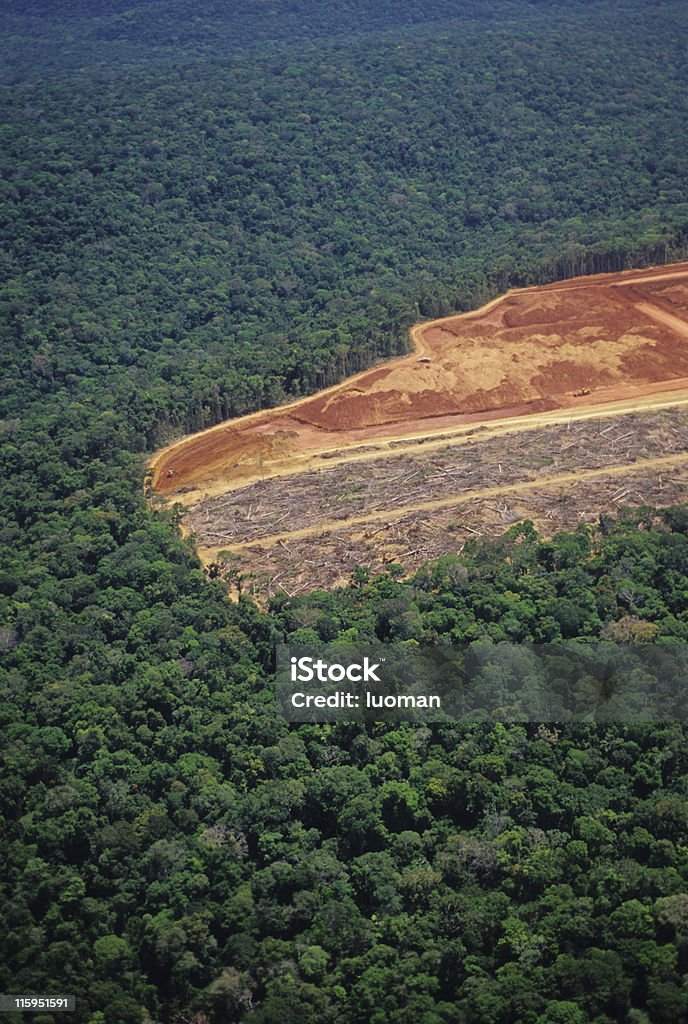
(557, 404)
(310, 530)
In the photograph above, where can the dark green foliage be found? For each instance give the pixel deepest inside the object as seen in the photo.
(127, 31)
(630, 576)
(169, 842)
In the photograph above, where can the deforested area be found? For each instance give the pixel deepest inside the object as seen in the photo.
(296, 564)
(584, 342)
(386, 483)
(305, 531)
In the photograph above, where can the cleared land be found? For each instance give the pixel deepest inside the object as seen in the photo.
(549, 403)
(312, 529)
(300, 564)
(584, 342)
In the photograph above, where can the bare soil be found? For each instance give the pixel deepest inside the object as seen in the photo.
(575, 344)
(555, 404)
(672, 294)
(300, 564)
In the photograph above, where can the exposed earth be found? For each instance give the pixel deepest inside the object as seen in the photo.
(311, 530)
(601, 348)
(582, 342)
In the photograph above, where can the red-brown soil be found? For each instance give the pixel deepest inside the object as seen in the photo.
(609, 338)
(671, 294)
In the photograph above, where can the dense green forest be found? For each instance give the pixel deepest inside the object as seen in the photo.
(195, 223)
(201, 251)
(82, 33)
(172, 845)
